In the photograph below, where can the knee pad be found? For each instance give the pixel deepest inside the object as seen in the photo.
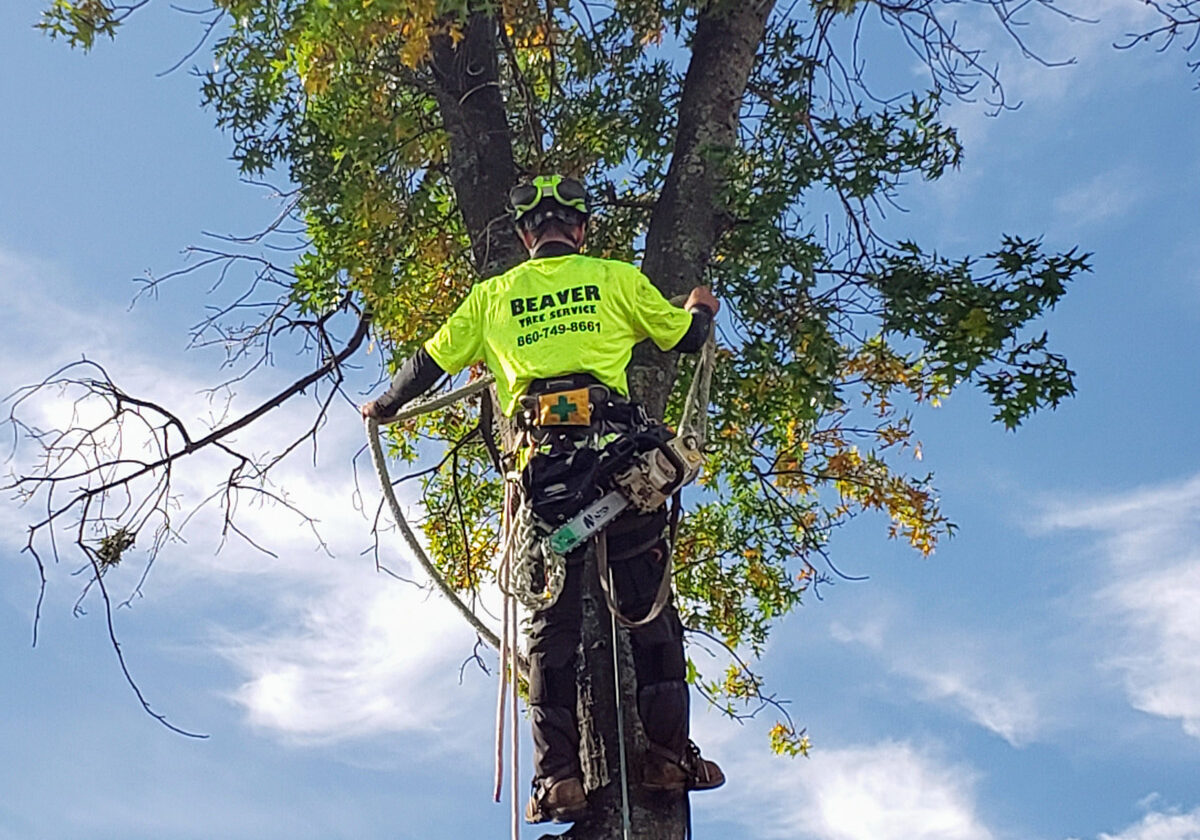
(659, 663)
(663, 709)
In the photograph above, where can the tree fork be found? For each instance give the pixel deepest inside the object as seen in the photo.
(687, 222)
(690, 215)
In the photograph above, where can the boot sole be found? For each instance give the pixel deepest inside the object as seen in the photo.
(558, 815)
(682, 788)
(664, 788)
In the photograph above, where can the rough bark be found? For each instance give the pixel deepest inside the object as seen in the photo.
(690, 215)
(481, 166)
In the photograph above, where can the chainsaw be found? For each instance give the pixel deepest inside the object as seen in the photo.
(652, 477)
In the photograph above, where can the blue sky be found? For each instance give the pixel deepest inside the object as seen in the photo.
(1038, 677)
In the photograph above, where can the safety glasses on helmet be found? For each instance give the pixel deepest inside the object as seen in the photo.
(566, 191)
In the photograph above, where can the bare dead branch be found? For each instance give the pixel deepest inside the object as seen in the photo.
(1181, 20)
(90, 471)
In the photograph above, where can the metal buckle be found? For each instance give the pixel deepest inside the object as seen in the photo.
(565, 408)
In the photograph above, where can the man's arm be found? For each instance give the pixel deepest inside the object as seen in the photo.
(703, 307)
(457, 343)
(415, 377)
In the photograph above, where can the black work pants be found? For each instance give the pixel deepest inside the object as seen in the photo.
(636, 554)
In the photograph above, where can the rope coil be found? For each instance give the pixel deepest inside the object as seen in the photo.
(531, 550)
(389, 494)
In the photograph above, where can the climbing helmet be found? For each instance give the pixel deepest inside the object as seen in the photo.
(549, 197)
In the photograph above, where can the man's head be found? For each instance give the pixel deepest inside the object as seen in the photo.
(550, 208)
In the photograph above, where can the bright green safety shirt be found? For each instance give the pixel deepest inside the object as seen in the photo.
(553, 316)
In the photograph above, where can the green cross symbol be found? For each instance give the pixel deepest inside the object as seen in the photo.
(563, 409)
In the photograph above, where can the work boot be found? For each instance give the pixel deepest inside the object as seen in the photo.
(562, 801)
(664, 770)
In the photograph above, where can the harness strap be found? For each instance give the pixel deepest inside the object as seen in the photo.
(661, 597)
(694, 421)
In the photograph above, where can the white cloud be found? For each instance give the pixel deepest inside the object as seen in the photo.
(999, 704)
(336, 650)
(345, 651)
(44, 319)
(871, 633)
(1104, 196)
(1161, 826)
(367, 658)
(886, 791)
(1150, 542)
(967, 676)
(1161, 658)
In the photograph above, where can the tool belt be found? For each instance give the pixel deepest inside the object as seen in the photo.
(569, 419)
(576, 403)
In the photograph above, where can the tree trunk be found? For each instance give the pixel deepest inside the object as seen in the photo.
(690, 214)
(481, 167)
(652, 816)
(687, 221)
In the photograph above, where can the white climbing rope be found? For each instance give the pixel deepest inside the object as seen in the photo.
(389, 494)
(511, 665)
(623, 763)
(509, 679)
(514, 751)
(501, 696)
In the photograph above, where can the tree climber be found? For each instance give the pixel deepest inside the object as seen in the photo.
(557, 332)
